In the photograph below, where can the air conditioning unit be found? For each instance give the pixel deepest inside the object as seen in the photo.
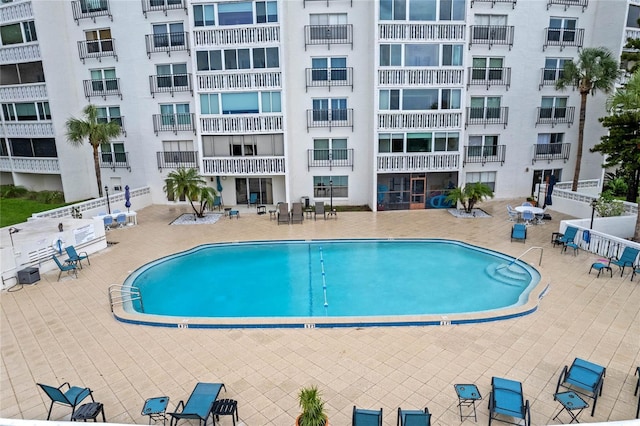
(117, 187)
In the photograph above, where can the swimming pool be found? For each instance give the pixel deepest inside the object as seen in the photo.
(330, 283)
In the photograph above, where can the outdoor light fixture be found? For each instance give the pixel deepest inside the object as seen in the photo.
(106, 191)
(12, 231)
(331, 193)
(594, 203)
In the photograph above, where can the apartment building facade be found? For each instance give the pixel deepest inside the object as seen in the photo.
(386, 103)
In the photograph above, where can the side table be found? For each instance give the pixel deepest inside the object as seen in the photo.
(262, 209)
(570, 402)
(156, 409)
(226, 407)
(89, 411)
(468, 394)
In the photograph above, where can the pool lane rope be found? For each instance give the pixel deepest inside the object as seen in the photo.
(324, 281)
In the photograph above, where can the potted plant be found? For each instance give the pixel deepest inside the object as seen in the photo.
(312, 406)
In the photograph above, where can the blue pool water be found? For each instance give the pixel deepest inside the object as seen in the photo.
(361, 278)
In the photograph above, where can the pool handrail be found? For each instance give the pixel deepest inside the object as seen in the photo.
(119, 295)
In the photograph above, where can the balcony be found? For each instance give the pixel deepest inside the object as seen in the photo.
(563, 37)
(421, 32)
(177, 159)
(114, 160)
(33, 129)
(329, 77)
(30, 165)
(90, 9)
(329, 158)
(487, 116)
(97, 49)
(421, 77)
(244, 166)
(23, 92)
(328, 34)
(16, 11)
(181, 122)
(329, 118)
(550, 76)
(245, 79)
(568, 3)
(419, 120)
(492, 35)
(489, 77)
(20, 53)
(555, 115)
(484, 154)
(241, 124)
(170, 84)
(493, 2)
(169, 42)
(550, 152)
(424, 162)
(162, 6)
(102, 88)
(261, 35)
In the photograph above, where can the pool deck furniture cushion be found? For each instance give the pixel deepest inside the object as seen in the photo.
(226, 407)
(234, 213)
(283, 213)
(583, 377)
(506, 399)
(628, 258)
(72, 397)
(71, 268)
(573, 246)
(89, 411)
(75, 257)
(363, 417)
(199, 405)
(519, 232)
(414, 417)
(599, 266)
(156, 409)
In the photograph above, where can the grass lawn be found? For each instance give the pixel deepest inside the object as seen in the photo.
(17, 210)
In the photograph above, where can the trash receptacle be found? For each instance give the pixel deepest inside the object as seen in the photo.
(305, 202)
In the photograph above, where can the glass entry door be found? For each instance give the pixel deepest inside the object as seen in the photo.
(262, 187)
(418, 192)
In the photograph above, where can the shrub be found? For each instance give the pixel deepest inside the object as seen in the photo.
(12, 191)
(608, 206)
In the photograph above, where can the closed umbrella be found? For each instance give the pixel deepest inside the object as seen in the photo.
(547, 199)
(219, 187)
(127, 196)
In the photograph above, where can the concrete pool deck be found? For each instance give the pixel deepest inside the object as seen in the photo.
(55, 332)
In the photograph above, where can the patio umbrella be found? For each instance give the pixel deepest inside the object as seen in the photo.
(219, 187)
(547, 199)
(127, 196)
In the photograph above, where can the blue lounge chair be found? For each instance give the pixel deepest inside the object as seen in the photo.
(628, 258)
(583, 377)
(568, 237)
(519, 232)
(414, 417)
(366, 417)
(199, 406)
(71, 268)
(75, 257)
(507, 400)
(72, 397)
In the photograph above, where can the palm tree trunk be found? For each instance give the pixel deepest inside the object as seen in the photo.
(96, 165)
(583, 113)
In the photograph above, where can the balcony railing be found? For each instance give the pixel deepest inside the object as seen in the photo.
(487, 116)
(555, 115)
(484, 154)
(330, 118)
(550, 76)
(177, 159)
(328, 34)
(330, 158)
(241, 124)
(162, 6)
(421, 32)
(419, 120)
(304, 2)
(181, 122)
(97, 49)
(23, 92)
(244, 166)
(568, 3)
(551, 151)
(423, 162)
(492, 35)
(489, 77)
(20, 53)
(245, 79)
(170, 83)
(563, 37)
(493, 2)
(233, 36)
(421, 77)
(329, 77)
(16, 11)
(169, 42)
(29, 129)
(104, 88)
(115, 160)
(90, 9)
(30, 165)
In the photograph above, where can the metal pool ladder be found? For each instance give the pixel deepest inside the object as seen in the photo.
(119, 295)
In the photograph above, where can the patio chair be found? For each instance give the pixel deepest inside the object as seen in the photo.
(366, 417)
(71, 268)
(583, 377)
(414, 417)
(636, 270)
(519, 232)
(506, 400)
(296, 213)
(568, 237)
(72, 397)
(199, 405)
(121, 220)
(253, 199)
(217, 203)
(528, 217)
(75, 257)
(540, 216)
(319, 210)
(527, 204)
(108, 222)
(513, 215)
(283, 213)
(628, 258)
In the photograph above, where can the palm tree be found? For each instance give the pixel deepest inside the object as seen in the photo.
(595, 70)
(189, 184)
(472, 194)
(97, 133)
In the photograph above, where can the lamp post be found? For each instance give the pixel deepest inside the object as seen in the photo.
(106, 191)
(331, 193)
(12, 231)
(594, 203)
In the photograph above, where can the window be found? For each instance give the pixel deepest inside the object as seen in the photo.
(331, 186)
(322, 111)
(553, 107)
(450, 98)
(239, 13)
(452, 54)
(549, 143)
(390, 55)
(88, 6)
(490, 27)
(104, 80)
(562, 29)
(446, 141)
(329, 149)
(390, 142)
(18, 33)
(554, 68)
(209, 60)
(235, 59)
(33, 147)
(113, 153)
(418, 142)
(175, 114)
(487, 69)
(172, 75)
(328, 26)
(266, 57)
(203, 15)
(329, 69)
(485, 107)
(168, 35)
(107, 114)
(452, 10)
(240, 103)
(266, 11)
(633, 16)
(21, 73)
(421, 55)
(419, 99)
(483, 145)
(99, 41)
(209, 104)
(488, 178)
(26, 111)
(271, 102)
(247, 144)
(241, 147)
(393, 10)
(422, 10)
